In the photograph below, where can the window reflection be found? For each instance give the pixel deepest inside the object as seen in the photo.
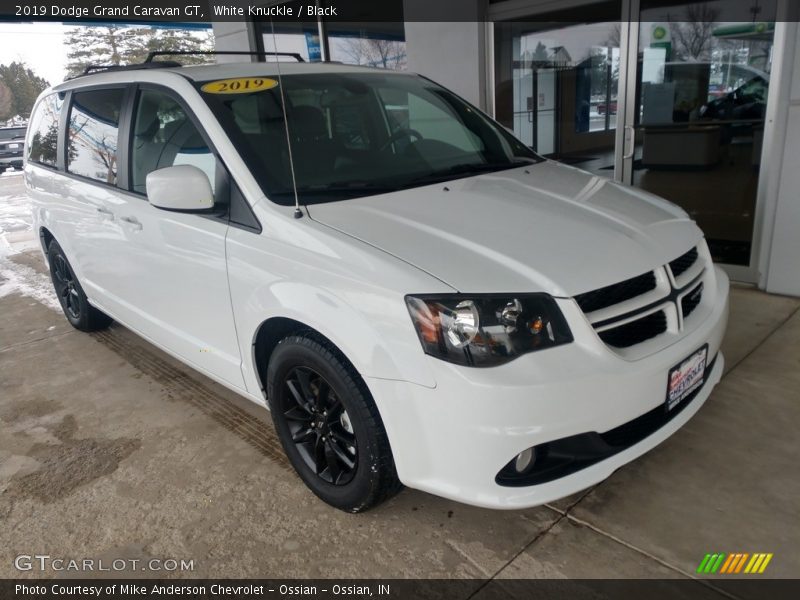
(43, 145)
(703, 83)
(93, 134)
(557, 88)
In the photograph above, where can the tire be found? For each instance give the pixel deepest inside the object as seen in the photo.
(326, 419)
(73, 300)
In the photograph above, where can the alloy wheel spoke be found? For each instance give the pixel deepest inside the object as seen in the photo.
(345, 438)
(304, 379)
(319, 393)
(59, 269)
(334, 405)
(320, 461)
(298, 396)
(298, 413)
(331, 458)
(303, 435)
(341, 455)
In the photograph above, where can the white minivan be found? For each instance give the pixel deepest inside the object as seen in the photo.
(416, 296)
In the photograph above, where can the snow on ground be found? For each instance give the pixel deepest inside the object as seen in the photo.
(16, 235)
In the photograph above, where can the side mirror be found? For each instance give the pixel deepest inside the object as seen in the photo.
(182, 187)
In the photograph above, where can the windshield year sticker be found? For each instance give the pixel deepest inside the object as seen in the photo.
(239, 85)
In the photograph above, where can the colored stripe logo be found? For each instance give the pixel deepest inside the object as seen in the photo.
(736, 562)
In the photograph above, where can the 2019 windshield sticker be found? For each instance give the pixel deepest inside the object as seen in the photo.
(239, 85)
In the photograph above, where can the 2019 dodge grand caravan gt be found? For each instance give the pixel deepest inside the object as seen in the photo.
(416, 296)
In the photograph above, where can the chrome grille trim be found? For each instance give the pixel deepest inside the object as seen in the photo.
(656, 310)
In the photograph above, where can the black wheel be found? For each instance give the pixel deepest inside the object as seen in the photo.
(74, 303)
(328, 424)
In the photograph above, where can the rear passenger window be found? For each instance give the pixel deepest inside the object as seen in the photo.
(94, 133)
(43, 131)
(164, 136)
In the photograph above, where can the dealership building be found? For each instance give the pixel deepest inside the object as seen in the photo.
(697, 102)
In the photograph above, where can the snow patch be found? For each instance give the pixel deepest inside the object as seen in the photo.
(21, 279)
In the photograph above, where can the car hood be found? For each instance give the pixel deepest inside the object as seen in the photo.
(547, 227)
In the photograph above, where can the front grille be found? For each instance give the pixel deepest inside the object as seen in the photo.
(642, 308)
(691, 300)
(616, 293)
(636, 331)
(683, 262)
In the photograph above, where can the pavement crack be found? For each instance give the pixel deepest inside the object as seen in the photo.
(35, 341)
(777, 328)
(535, 539)
(648, 555)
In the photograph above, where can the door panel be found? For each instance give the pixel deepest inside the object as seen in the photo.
(168, 276)
(164, 272)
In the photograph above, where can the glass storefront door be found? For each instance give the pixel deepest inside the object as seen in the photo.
(557, 87)
(666, 95)
(699, 104)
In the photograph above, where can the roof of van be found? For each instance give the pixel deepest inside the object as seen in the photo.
(225, 70)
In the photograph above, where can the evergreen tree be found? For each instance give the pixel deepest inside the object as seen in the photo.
(6, 102)
(25, 87)
(120, 45)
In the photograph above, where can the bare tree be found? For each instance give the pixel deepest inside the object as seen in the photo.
(614, 36)
(691, 38)
(389, 54)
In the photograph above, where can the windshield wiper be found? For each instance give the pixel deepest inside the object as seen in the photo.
(347, 187)
(469, 169)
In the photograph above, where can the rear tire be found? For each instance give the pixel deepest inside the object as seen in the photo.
(74, 303)
(329, 425)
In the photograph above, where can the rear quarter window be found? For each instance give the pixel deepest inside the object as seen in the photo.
(93, 134)
(43, 131)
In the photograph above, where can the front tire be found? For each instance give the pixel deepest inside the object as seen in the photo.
(73, 300)
(329, 425)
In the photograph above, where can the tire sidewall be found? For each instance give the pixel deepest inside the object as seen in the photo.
(54, 250)
(300, 351)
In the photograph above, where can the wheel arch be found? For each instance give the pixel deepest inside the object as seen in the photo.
(45, 237)
(269, 333)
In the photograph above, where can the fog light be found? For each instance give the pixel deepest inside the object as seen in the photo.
(525, 460)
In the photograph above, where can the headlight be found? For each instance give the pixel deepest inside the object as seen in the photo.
(486, 330)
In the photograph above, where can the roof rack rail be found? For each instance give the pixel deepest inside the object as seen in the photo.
(152, 55)
(149, 63)
(154, 65)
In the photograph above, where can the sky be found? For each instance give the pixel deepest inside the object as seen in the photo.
(39, 45)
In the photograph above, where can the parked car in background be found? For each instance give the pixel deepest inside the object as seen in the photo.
(12, 142)
(746, 102)
(611, 107)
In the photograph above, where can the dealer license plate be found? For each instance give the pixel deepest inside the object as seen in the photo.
(686, 377)
(13, 146)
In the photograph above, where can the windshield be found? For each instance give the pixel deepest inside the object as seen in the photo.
(358, 134)
(13, 133)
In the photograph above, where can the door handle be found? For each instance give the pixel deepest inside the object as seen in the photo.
(133, 222)
(632, 142)
(104, 212)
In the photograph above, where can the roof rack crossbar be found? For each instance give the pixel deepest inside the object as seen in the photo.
(155, 65)
(152, 55)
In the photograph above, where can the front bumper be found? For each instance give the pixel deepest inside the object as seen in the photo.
(452, 440)
(11, 161)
